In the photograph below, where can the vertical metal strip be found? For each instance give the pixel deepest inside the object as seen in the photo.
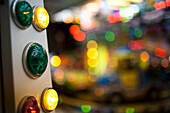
(7, 89)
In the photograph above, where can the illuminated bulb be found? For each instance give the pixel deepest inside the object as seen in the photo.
(50, 99)
(41, 18)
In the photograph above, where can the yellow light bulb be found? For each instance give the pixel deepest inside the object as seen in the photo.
(50, 99)
(41, 17)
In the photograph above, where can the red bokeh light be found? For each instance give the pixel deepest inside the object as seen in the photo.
(154, 62)
(81, 36)
(162, 4)
(135, 44)
(160, 52)
(168, 3)
(74, 29)
(111, 18)
(159, 5)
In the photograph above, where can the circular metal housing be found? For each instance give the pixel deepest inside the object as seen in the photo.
(49, 99)
(35, 60)
(41, 18)
(22, 13)
(29, 104)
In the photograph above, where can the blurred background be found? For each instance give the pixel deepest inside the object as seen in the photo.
(110, 56)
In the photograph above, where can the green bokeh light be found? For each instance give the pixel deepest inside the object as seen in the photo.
(121, 11)
(86, 108)
(130, 110)
(138, 32)
(109, 36)
(91, 37)
(125, 20)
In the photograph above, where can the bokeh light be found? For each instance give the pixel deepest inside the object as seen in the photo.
(111, 18)
(130, 110)
(154, 62)
(92, 44)
(160, 52)
(114, 62)
(109, 36)
(168, 3)
(68, 18)
(71, 76)
(59, 74)
(92, 62)
(86, 108)
(138, 33)
(91, 37)
(136, 44)
(99, 92)
(144, 56)
(80, 36)
(74, 29)
(165, 63)
(92, 53)
(55, 61)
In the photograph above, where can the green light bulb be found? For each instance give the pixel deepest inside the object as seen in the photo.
(24, 13)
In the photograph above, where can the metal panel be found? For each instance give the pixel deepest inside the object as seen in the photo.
(17, 84)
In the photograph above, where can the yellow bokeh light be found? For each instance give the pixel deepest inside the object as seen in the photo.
(68, 18)
(92, 44)
(50, 99)
(41, 17)
(77, 19)
(114, 62)
(92, 53)
(92, 62)
(55, 61)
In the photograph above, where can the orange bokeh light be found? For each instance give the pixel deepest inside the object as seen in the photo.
(144, 56)
(165, 63)
(59, 74)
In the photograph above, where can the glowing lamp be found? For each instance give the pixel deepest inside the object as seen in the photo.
(41, 18)
(49, 99)
(29, 105)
